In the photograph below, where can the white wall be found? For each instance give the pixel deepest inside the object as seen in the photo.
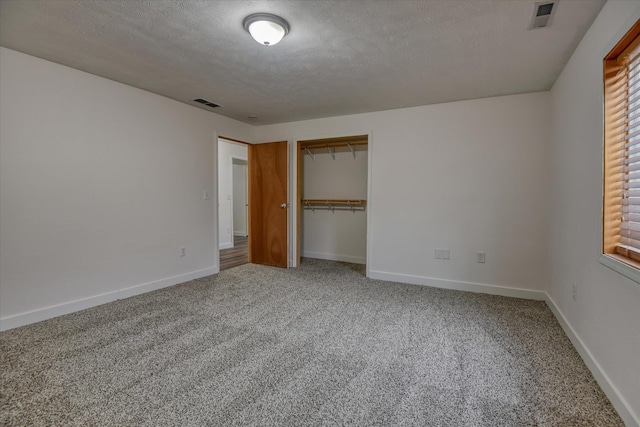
(466, 176)
(240, 198)
(100, 185)
(227, 150)
(339, 235)
(606, 315)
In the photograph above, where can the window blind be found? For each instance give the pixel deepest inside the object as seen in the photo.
(622, 151)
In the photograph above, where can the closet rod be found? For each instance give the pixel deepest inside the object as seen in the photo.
(335, 208)
(335, 204)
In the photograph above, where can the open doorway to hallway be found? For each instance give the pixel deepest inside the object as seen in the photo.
(232, 203)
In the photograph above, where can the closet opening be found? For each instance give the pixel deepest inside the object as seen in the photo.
(332, 188)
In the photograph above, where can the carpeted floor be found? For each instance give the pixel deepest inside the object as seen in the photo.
(317, 345)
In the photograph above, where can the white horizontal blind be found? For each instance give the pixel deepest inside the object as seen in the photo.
(626, 116)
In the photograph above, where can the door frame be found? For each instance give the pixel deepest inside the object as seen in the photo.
(216, 196)
(296, 214)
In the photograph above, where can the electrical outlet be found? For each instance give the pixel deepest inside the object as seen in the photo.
(574, 291)
(228, 230)
(206, 195)
(183, 251)
(481, 257)
(443, 254)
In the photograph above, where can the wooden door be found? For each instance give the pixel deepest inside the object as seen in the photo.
(268, 203)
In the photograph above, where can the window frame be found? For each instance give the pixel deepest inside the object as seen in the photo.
(613, 255)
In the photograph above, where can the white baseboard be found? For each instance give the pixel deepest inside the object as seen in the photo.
(240, 233)
(334, 257)
(459, 286)
(227, 245)
(619, 403)
(38, 315)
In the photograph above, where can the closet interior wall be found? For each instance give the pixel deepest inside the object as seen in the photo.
(332, 184)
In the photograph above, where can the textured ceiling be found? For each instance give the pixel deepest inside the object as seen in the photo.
(341, 57)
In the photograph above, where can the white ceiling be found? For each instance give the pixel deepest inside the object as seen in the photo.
(340, 57)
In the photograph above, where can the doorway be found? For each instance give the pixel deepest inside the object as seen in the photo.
(232, 203)
(267, 175)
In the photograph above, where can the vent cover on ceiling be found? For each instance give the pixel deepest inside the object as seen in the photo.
(207, 103)
(542, 13)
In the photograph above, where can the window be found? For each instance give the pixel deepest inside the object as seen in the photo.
(621, 221)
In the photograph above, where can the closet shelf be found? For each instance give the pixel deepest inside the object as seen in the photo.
(331, 148)
(333, 145)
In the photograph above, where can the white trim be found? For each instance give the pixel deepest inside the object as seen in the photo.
(482, 288)
(230, 199)
(619, 403)
(334, 257)
(289, 210)
(229, 243)
(50, 312)
(292, 217)
(293, 171)
(240, 233)
(621, 267)
(369, 230)
(216, 204)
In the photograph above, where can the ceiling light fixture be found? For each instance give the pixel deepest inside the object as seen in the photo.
(265, 28)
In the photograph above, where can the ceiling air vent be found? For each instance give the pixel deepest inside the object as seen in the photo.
(207, 103)
(542, 13)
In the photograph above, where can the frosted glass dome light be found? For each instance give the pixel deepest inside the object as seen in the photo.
(265, 28)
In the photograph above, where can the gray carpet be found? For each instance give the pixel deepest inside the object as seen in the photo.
(317, 345)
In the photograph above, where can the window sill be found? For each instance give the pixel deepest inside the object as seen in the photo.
(628, 268)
